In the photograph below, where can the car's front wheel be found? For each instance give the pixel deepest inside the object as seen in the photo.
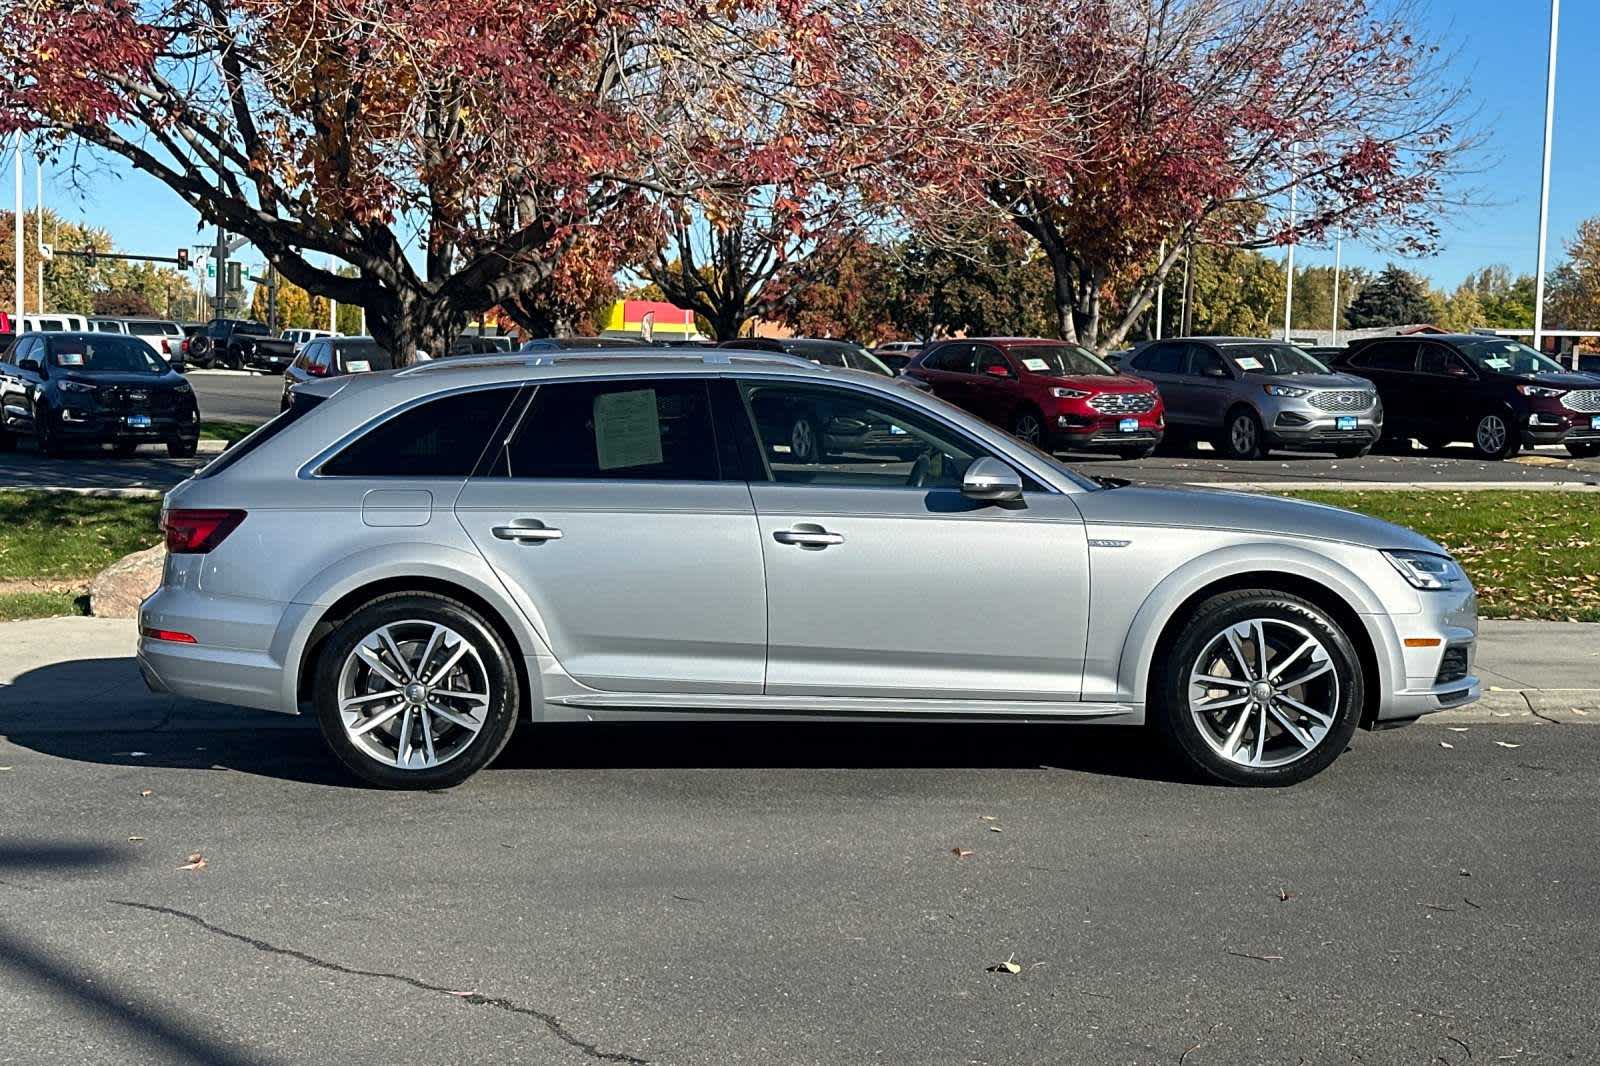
(416, 691)
(1242, 437)
(1495, 437)
(1259, 688)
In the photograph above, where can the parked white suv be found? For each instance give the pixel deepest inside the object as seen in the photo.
(471, 543)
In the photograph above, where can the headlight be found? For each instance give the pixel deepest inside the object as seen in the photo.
(1068, 394)
(1285, 390)
(78, 386)
(1540, 390)
(183, 389)
(1426, 570)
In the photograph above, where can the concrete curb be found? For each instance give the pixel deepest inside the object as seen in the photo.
(1592, 485)
(1576, 706)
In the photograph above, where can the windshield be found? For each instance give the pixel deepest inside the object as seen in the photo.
(861, 359)
(1508, 357)
(111, 354)
(1061, 361)
(1273, 359)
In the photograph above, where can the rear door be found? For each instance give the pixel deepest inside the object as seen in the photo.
(1443, 394)
(1391, 366)
(609, 519)
(1162, 363)
(1207, 384)
(994, 386)
(951, 369)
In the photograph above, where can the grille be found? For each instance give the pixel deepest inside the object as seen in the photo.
(1344, 400)
(1585, 400)
(1118, 403)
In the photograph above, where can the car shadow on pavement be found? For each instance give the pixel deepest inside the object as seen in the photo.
(98, 711)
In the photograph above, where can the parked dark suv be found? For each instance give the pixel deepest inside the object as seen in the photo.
(1497, 393)
(94, 388)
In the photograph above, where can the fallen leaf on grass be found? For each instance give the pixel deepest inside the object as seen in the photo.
(1009, 966)
(1507, 744)
(961, 853)
(196, 861)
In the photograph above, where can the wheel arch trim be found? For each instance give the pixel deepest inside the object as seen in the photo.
(1228, 566)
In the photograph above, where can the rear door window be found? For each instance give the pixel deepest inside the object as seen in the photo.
(632, 430)
(1395, 355)
(1160, 359)
(955, 359)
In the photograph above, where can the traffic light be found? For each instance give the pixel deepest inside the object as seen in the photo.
(89, 253)
(183, 259)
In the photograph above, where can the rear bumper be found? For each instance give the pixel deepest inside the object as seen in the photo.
(240, 650)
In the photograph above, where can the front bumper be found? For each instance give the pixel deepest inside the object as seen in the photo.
(1094, 431)
(1425, 676)
(1560, 427)
(77, 424)
(1294, 422)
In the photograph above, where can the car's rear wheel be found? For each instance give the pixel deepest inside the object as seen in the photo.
(416, 691)
(1495, 437)
(178, 448)
(1579, 450)
(1259, 688)
(1241, 435)
(122, 449)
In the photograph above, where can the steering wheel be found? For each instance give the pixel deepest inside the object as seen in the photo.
(919, 471)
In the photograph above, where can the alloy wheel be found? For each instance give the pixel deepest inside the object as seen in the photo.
(413, 694)
(1491, 434)
(1264, 693)
(802, 441)
(1028, 428)
(1242, 435)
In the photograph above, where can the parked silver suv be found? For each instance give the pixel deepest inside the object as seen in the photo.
(1247, 396)
(468, 544)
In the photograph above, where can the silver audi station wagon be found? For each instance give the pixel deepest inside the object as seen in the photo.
(428, 557)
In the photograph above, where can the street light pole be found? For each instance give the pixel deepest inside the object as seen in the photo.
(16, 227)
(1337, 243)
(1544, 176)
(38, 221)
(1288, 292)
(1161, 290)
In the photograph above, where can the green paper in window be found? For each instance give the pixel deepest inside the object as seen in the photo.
(627, 429)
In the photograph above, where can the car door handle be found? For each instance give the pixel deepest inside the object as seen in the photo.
(808, 538)
(527, 534)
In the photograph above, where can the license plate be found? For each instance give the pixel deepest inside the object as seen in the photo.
(1594, 422)
(1128, 425)
(139, 421)
(1345, 422)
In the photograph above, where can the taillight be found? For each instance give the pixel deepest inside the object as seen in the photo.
(195, 531)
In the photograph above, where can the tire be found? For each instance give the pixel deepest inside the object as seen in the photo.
(8, 441)
(182, 449)
(124, 449)
(805, 441)
(1242, 436)
(1352, 452)
(1144, 452)
(411, 620)
(1334, 687)
(1028, 426)
(50, 442)
(1495, 436)
(1578, 450)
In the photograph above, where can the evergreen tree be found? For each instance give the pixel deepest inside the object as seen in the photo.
(1395, 297)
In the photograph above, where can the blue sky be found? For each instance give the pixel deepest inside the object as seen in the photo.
(1501, 46)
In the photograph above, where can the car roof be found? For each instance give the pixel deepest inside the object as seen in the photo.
(798, 344)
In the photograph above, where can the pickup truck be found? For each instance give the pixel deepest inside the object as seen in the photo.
(240, 345)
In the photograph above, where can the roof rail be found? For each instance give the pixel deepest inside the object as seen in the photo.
(704, 357)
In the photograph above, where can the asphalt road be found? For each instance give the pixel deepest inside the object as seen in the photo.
(788, 894)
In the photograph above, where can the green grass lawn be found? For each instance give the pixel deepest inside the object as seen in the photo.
(1530, 554)
(228, 431)
(65, 538)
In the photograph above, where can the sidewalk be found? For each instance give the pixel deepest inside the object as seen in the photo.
(79, 675)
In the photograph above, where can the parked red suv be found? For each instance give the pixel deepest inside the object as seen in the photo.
(1055, 395)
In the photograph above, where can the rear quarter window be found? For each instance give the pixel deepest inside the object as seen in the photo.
(444, 437)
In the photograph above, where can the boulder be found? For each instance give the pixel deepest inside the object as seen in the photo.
(116, 591)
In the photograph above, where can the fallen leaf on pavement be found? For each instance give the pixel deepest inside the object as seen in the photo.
(1507, 744)
(147, 792)
(1575, 710)
(1009, 966)
(465, 994)
(6, 769)
(1258, 958)
(135, 840)
(1458, 729)
(987, 818)
(961, 853)
(1501, 714)
(1446, 744)
(196, 861)
(1284, 895)
(995, 829)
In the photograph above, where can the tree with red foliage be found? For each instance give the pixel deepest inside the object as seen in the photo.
(1168, 122)
(452, 151)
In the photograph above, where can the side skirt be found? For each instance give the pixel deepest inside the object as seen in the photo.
(684, 706)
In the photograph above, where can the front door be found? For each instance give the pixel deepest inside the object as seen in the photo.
(884, 581)
(608, 520)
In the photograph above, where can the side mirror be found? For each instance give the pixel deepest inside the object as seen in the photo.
(1214, 372)
(29, 364)
(992, 481)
